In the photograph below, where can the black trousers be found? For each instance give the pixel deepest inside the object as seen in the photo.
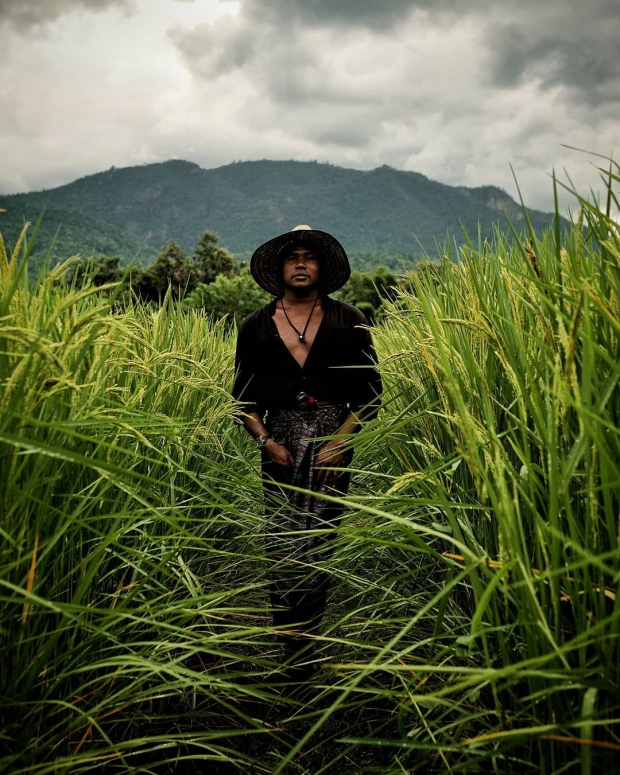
(300, 525)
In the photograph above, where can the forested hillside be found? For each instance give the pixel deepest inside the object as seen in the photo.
(383, 211)
(67, 232)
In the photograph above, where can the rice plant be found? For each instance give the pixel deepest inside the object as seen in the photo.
(474, 619)
(128, 571)
(500, 455)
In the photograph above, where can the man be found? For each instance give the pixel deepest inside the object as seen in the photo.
(297, 381)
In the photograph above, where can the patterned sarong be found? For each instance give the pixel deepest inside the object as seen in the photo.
(300, 524)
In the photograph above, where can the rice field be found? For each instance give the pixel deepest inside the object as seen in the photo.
(474, 620)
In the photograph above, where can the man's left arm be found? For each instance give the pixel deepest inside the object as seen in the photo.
(331, 455)
(367, 403)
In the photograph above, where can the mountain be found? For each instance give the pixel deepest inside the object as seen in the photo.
(377, 211)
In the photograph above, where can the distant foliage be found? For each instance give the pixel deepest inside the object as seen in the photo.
(367, 291)
(171, 269)
(211, 261)
(234, 297)
(214, 280)
(67, 233)
(369, 261)
(98, 270)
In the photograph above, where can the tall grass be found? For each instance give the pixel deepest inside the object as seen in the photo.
(474, 620)
(502, 451)
(127, 558)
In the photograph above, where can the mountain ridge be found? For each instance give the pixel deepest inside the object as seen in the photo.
(382, 210)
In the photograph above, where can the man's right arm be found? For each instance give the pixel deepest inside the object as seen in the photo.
(253, 423)
(243, 390)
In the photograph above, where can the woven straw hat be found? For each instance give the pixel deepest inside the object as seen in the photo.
(334, 264)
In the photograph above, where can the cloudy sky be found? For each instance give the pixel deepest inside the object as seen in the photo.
(458, 90)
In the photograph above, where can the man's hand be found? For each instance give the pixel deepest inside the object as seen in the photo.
(279, 455)
(330, 455)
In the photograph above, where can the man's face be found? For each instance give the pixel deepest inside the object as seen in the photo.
(300, 269)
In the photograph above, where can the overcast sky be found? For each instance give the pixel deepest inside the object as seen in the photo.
(455, 89)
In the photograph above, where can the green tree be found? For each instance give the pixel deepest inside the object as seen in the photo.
(99, 270)
(366, 291)
(210, 260)
(235, 296)
(171, 268)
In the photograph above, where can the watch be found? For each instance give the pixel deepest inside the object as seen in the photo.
(262, 440)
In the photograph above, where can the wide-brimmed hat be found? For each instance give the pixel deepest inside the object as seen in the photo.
(266, 267)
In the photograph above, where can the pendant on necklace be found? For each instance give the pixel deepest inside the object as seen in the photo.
(300, 334)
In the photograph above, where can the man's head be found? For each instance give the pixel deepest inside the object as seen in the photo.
(300, 269)
(300, 259)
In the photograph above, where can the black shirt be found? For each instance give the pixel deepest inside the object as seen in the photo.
(268, 376)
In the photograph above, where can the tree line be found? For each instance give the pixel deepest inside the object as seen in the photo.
(213, 279)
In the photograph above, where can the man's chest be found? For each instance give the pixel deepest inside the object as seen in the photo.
(298, 333)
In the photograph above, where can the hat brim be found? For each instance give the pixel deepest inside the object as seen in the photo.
(334, 264)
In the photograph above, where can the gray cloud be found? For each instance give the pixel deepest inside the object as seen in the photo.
(287, 49)
(24, 14)
(564, 45)
(559, 43)
(211, 50)
(376, 13)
